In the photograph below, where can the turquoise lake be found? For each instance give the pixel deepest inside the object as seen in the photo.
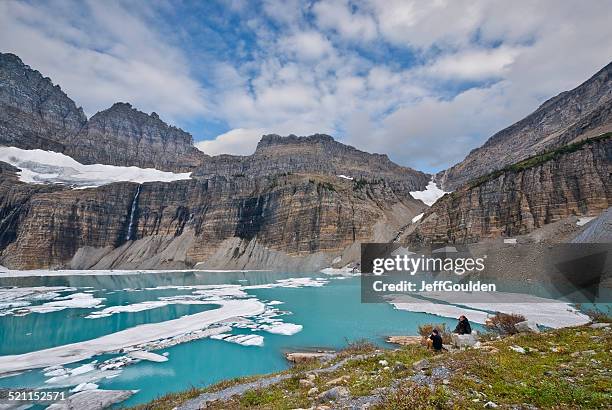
(331, 315)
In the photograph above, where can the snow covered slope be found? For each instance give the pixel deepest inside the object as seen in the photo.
(430, 195)
(38, 166)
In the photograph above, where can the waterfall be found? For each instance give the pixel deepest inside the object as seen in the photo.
(132, 213)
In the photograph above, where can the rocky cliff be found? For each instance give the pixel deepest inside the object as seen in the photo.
(122, 135)
(35, 113)
(572, 180)
(212, 221)
(314, 154)
(583, 112)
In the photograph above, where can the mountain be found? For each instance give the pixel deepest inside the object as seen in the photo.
(315, 154)
(583, 112)
(297, 203)
(35, 113)
(281, 221)
(573, 180)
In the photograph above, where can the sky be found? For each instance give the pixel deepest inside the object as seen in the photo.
(422, 81)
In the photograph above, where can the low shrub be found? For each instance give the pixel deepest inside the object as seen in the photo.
(504, 323)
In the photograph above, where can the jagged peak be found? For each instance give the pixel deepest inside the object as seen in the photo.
(275, 139)
(11, 58)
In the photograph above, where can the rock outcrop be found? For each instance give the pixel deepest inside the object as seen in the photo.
(36, 114)
(314, 154)
(122, 135)
(583, 112)
(574, 180)
(179, 224)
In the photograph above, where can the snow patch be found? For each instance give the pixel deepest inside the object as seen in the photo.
(345, 177)
(417, 218)
(47, 167)
(430, 195)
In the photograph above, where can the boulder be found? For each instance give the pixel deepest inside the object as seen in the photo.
(460, 341)
(335, 393)
(527, 326)
(306, 383)
(338, 380)
(301, 357)
(420, 365)
(405, 340)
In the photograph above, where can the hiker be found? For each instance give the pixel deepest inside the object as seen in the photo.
(434, 341)
(463, 327)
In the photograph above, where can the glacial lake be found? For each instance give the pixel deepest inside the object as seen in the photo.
(300, 312)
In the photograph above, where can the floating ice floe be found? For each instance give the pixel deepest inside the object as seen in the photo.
(282, 328)
(131, 337)
(430, 195)
(244, 340)
(83, 387)
(411, 304)
(44, 167)
(291, 283)
(150, 356)
(543, 311)
(18, 301)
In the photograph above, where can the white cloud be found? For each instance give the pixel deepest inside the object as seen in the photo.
(238, 141)
(309, 45)
(101, 53)
(337, 15)
(474, 64)
(385, 75)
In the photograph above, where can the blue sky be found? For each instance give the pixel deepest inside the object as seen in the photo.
(424, 82)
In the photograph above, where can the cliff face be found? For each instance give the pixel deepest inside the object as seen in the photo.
(519, 200)
(583, 112)
(122, 135)
(315, 154)
(182, 223)
(34, 113)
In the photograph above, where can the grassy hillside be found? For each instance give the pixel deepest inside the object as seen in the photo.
(566, 368)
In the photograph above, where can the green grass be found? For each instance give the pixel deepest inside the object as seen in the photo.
(553, 374)
(539, 159)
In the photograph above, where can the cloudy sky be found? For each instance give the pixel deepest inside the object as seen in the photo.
(423, 81)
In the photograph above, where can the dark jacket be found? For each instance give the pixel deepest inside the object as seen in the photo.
(437, 341)
(463, 327)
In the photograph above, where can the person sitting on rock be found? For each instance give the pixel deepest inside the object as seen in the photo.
(434, 341)
(463, 327)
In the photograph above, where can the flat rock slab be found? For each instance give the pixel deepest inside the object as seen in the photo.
(300, 357)
(92, 400)
(405, 340)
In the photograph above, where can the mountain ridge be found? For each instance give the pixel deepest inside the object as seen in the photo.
(548, 127)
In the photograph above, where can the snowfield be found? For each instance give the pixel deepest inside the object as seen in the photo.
(47, 167)
(430, 195)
